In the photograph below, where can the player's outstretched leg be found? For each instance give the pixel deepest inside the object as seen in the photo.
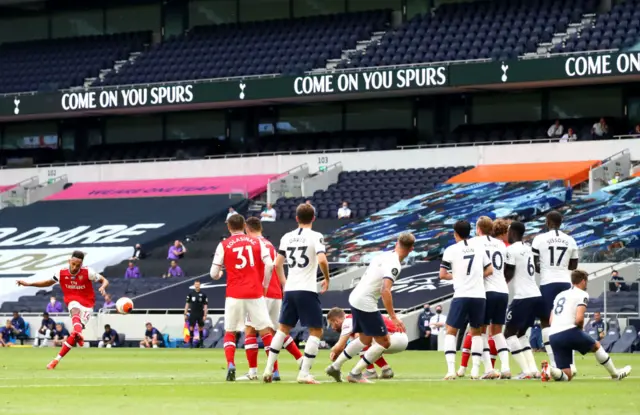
(230, 353)
(353, 349)
(66, 346)
(605, 360)
(466, 354)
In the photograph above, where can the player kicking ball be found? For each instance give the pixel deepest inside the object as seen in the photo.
(76, 283)
(567, 334)
(343, 323)
(368, 322)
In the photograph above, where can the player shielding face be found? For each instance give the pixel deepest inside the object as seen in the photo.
(273, 299)
(527, 302)
(555, 255)
(303, 251)
(567, 334)
(467, 265)
(76, 283)
(368, 322)
(497, 293)
(248, 265)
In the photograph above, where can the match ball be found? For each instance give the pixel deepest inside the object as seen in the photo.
(124, 305)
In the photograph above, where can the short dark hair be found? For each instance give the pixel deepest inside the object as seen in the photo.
(462, 228)
(198, 281)
(45, 314)
(254, 224)
(236, 222)
(554, 218)
(578, 275)
(78, 254)
(305, 214)
(106, 326)
(517, 228)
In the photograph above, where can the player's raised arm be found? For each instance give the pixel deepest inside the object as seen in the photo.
(216, 264)
(37, 284)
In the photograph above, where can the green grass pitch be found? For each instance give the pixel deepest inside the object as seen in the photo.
(135, 381)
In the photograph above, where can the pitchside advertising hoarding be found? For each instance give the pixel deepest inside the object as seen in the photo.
(419, 78)
(36, 240)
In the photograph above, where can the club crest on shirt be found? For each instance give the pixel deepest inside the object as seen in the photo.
(394, 272)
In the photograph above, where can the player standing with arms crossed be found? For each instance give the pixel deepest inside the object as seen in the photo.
(304, 251)
(368, 322)
(76, 283)
(555, 254)
(246, 285)
(273, 298)
(497, 293)
(467, 265)
(567, 333)
(527, 304)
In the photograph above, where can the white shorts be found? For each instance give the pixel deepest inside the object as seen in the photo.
(273, 307)
(237, 311)
(399, 343)
(85, 313)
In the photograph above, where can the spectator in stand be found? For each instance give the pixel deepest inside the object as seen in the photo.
(615, 179)
(424, 328)
(108, 302)
(19, 326)
(174, 271)
(138, 253)
(60, 335)
(569, 136)
(600, 129)
(555, 131)
(46, 331)
(232, 212)
(618, 282)
(635, 131)
(344, 212)
(54, 306)
(596, 325)
(176, 251)
(436, 323)
(268, 214)
(110, 338)
(152, 338)
(5, 334)
(132, 271)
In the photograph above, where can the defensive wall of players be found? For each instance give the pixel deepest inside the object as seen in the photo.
(275, 164)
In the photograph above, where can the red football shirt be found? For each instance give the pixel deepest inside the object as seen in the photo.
(275, 289)
(241, 256)
(77, 287)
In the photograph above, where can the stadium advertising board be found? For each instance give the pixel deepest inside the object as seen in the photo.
(525, 73)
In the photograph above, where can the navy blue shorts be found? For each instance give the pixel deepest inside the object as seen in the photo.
(522, 313)
(550, 292)
(565, 342)
(465, 310)
(303, 306)
(368, 323)
(496, 308)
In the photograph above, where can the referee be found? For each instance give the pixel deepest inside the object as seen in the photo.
(195, 310)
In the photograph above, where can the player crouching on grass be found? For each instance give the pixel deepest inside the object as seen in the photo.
(343, 323)
(567, 334)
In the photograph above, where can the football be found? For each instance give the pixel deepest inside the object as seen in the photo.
(124, 305)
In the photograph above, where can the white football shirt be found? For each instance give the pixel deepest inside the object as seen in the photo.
(554, 249)
(466, 261)
(496, 251)
(367, 293)
(347, 326)
(524, 281)
(300, 249)
(564, 310)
